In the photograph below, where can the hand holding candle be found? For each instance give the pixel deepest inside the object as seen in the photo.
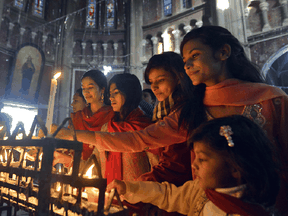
(119, 185)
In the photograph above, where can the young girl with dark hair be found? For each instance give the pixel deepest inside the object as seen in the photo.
(125, 94)
(97, 113)
(79, 102)
(233, 176)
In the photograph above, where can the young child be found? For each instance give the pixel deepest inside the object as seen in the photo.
(234, 168)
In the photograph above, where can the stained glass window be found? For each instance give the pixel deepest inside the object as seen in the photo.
(91, 14)
(187, 3)
(110, 14)
(19, 3)
(167, 7)
(38, 8)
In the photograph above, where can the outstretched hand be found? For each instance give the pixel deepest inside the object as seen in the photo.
(119, 185)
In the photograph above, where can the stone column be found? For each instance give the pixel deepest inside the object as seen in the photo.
(105, 45)
(73, 61)
(115, 46)
(143, 45)
(246, 14)
(22, 30)
(155, 45)
(1, 10)
(94, 45)
(284, 4)
(44, 38)
(264, 8)
(33, 36)
(83, 44)
(176, 34)
(11, 26)
(187, 28)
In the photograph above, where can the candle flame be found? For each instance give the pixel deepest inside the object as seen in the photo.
(58, 186)
(6, 156)
(57, 75)
(1, 127)
(19, 136)
(1, 158)
(88, 174)
(40, 156)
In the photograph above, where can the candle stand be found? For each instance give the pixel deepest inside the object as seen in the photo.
(28, 180)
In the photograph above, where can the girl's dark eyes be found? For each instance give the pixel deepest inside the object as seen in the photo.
(195, 55)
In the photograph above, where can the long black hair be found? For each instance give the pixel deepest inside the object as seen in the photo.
(238, 65)
(130, 87)
(172, 63)
(253, 155)
(100, 79)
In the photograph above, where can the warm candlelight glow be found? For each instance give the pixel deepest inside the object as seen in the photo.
(1, 127)
(19, 136)
(6, 156)
(88, 174)
(58, 186)
(57, 75)
(1, 158)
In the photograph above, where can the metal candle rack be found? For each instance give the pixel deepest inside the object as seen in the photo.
(30, 187)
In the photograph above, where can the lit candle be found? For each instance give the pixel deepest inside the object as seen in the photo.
(50, 110)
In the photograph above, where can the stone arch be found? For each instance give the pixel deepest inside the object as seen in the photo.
(160, 47)
(193, 23)
(77, 51)
(38, 39)
(100, 52)
(89, 51)
(121, 52)
(110, 52)
(148, 47)
(275, 70)
(181, 29)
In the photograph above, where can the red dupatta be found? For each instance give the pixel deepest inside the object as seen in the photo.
(233, 205)
(136, 120)
(82, 120)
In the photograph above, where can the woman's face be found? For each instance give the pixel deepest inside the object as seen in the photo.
(201, 65)
(78, 103)
(211, 168)
(116, 97)
(163, 83)
(91, 90)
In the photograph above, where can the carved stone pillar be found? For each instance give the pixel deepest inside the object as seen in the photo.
(73, 56)
(264, 8)
(246, 14)
(115, 46)
(11, 26)
(143, 45)
(83, 44)
(176, 34)
(22, 30)
(33, 36)
(105, 45)
(187, 28)
(44, 38)
(155, 45)
(94, 45)
(284, 5)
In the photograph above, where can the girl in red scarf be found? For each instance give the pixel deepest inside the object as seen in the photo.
(235, 173)
(125, 95)
(92, 117)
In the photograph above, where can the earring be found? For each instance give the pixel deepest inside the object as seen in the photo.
(102, 97)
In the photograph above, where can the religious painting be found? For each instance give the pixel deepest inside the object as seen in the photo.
(26, 73)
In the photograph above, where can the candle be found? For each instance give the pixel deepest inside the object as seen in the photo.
(50, 110)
